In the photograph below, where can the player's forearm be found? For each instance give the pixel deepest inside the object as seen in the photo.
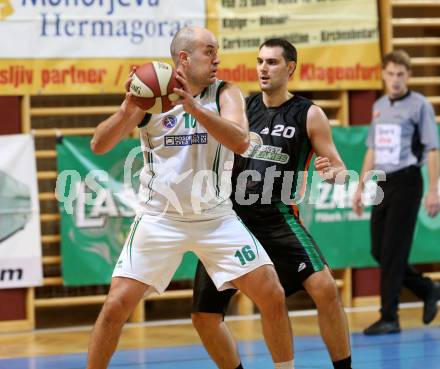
(230, 134)
(433, 171)
(109, 132)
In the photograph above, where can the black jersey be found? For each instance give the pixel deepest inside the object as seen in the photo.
(279, 141)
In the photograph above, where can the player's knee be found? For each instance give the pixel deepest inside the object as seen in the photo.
(331, 289)
(114, 310)
(206, 321)
(327, 292)
(272, 298)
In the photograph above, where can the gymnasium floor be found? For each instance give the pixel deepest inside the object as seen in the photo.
(166, 345)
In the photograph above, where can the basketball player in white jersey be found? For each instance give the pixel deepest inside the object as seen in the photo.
(183, 207)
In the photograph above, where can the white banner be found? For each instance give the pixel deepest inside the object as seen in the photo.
(20, 236)
(94, 28)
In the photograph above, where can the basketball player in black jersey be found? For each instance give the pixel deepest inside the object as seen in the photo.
(286, 130)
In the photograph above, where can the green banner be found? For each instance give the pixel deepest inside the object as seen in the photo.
(343, 237)
(97, 210)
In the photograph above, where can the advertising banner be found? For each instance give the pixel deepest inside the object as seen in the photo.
(337, 41)
(89, 46)
(344, 237)
(85, 46)
(97, 206)
(97, 210)
(20, 235)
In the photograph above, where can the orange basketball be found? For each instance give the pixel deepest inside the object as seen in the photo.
(152, 87)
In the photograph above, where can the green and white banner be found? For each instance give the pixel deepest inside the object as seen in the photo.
(20, 235)
(343, 237)
(97, 209)
(97, 200)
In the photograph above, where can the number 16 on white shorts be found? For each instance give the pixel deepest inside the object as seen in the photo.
(155, 247)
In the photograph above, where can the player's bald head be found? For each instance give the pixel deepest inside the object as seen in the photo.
(186, 39)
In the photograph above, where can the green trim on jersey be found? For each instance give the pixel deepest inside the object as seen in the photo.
(150, 160)
(202, 94)
(301, 166)
(215, 169)
(252, 236)
(145, 120)
(303, 237)
(219, 147)
(217, 94)
(130, 244)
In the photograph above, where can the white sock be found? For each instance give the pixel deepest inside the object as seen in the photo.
(284, 365)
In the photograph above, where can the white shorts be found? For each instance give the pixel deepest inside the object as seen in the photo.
(155, 246)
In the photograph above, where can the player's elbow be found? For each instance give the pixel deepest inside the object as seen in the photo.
(97, 147)
(242, 145)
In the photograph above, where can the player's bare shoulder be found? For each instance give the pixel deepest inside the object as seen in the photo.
(231, 94)
(315, 113)
(316, 119)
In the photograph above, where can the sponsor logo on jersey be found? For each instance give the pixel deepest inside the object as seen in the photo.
(257, 150)
(264, 131)
(186, 140)
(169, 121)
(302, 266)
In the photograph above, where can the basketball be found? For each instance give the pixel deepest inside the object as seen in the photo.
(152, 87)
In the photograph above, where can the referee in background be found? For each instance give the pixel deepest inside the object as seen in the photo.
(402, 137)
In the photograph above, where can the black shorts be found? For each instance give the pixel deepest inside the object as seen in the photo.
(291, 248)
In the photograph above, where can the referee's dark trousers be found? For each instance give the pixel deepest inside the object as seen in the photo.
(392, 229)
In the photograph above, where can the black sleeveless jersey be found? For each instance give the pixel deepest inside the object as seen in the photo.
(280, 151)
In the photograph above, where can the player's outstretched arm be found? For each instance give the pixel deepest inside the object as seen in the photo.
(118, 126)
(328, 161)
(231, 127)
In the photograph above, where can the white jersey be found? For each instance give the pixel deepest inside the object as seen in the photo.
(187, 173)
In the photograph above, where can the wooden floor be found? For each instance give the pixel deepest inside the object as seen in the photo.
(150, 335)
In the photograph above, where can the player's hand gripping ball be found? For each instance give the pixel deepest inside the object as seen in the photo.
(152, 87)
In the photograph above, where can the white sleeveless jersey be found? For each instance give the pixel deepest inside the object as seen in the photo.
(187, 173)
